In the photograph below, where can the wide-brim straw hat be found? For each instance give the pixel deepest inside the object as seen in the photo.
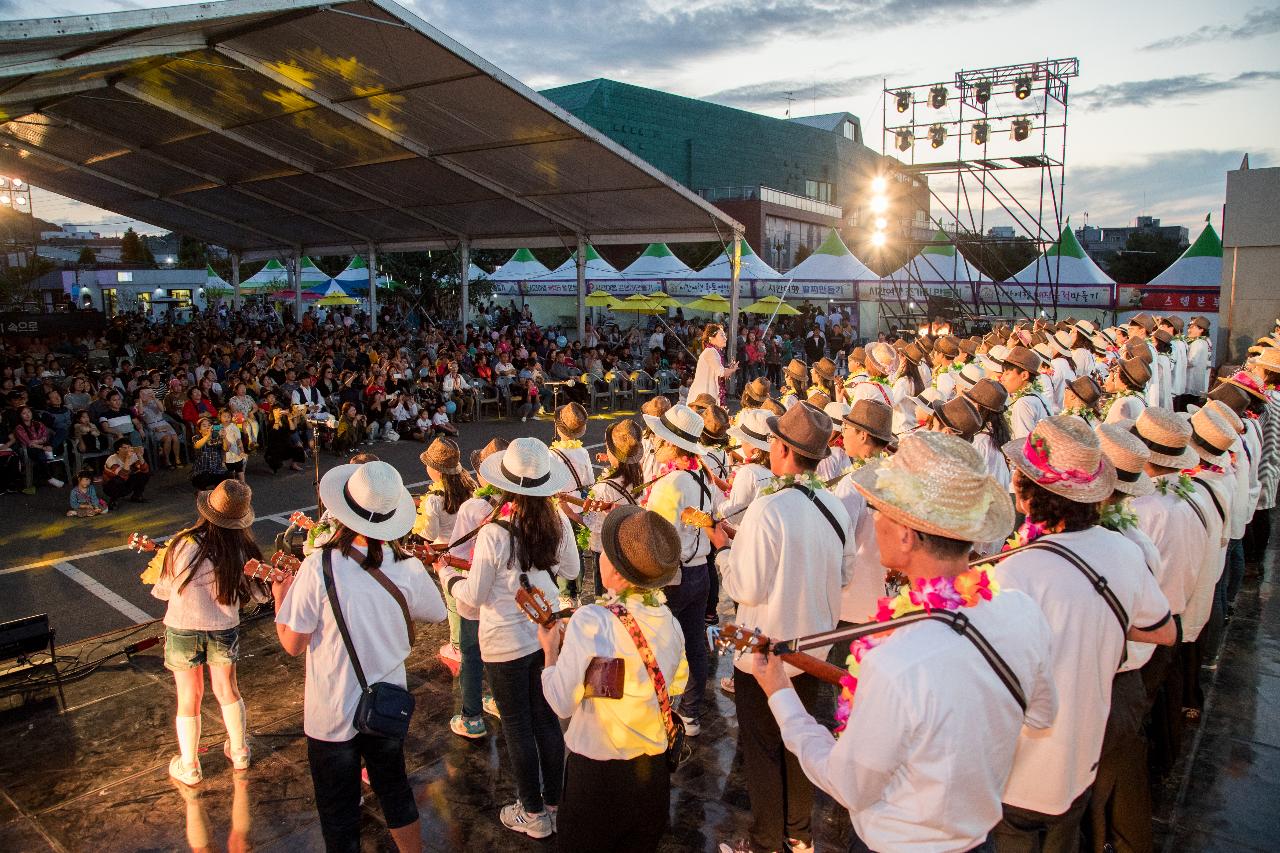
(702, 402)
(1211, 436)
(988, 395)
(656, 406)
(495, 445)
(369, 499)
(443, 455)
(939, 485)
(527, 467)
(681, 426)
(753, 429)
(1086, 328)
(836, 410)
(1062, 455)
(1227, 413)
(643, 547)
(1269, 359)
(1247, 382)
(883, 359)
(624, 439)
(797, 370)
(1061, 341)
(757, 390)
(947, 345)
(969, 375)
(571, 420)
(1129, 457)
(1233, 396)
(825, 368)
(1168, 436)
(993, 360)
(805, 429)
(873, 417)
(229, 505)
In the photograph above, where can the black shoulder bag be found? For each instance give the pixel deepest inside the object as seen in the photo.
(385, 709)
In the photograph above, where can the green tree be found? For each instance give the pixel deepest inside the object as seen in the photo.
(131, 248)
(1145, 255)
(87, 257)
(192, 254)
(431, 279)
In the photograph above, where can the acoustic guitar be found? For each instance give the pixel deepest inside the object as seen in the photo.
(534, 603)
(427, 553)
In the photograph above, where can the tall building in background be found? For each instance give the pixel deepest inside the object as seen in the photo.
(786, 180)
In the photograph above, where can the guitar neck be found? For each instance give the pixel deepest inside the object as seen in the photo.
(816, 667)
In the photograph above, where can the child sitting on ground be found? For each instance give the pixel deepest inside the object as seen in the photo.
(85, 502)
(440, 422)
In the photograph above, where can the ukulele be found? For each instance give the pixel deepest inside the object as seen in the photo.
(734, 638)
(281, 566)
(588, 504)
(698, 518)
(427, 553)
(142, 543)
(301, 519)
(534, 603)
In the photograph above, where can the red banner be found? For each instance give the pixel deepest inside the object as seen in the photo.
(1194, 300)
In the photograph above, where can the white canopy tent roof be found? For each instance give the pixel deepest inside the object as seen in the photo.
(716, 276)
(598, 269)
(939, 261)
(521, 267)
(273, 276)
(1200, 264)
(1063, 263)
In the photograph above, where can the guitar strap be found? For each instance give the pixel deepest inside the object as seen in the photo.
(622, 490)
(826, 513)
(577, 480)
(1213, 496)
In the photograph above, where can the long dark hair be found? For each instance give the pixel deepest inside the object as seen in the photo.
(344, 542)
(226, 550)
(458, 487)
(999, 428)
(628, 473)
(535, 532)
(709, 331)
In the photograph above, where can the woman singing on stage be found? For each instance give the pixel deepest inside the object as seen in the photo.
(711, 373)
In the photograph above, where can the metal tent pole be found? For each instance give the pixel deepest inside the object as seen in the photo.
(373, 288)
(581, 263)
(464, 287)
(235, 280)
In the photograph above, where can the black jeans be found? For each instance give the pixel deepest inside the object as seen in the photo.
(1025, 831)
(781, 795)
(621, 806)
(1118, 817)
(687, 601)
(118, 487)
(856, 845)
(335, 773)
(530, 728)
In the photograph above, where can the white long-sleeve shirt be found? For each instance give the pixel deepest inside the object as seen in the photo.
(748, 480)
(1178, 360)
(1172, 525)
(1140, 653)
(671, 495)
(932, 732)
(836, 462)
(1199, 363)
(1200, 597)
(786, 566)
(1025, 412)
(491, 583)
(616, 729)
(860, 595)
(470, 515)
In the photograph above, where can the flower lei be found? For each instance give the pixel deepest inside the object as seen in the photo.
(808, 478)
(879, 380)
(485, 492)
(648, 597)
(1029, 532)
(683, 463)
(566, 443)
(1032, 387)
(1118, 517)
(927, 594)
(1183, 488)
(1081, 412)
(861, 462)
(1203, 466)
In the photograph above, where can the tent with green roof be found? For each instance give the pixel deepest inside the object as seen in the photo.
(1063, 263)
(215, 286)
(831, 272)
(272, 277)
(563, 280)
(716, 276)
(312, 275)
(938, 262)
(522, 267)
(655, 265)
(1199, 265)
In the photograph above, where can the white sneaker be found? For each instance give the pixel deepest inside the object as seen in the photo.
(56, 483)
(797, 846)
(490, 706)
(691, 726)
(533, 825)
(240, 761)
(184, 774)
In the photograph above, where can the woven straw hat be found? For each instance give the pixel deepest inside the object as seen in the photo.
(968, 376)
(571, 420)
(796, 370)
(701, 403)
(1086, 389)
(1062, 455)
(882, 359)
(947, 345)
(1061, 340)
(1046, 353)
(857, 358)
(817, 398)
(1174, 322)
(623, 440)
(1246, 381)
(443, 455)
(988, 394)
(969, 346)
(804, 429)
(1163, 336)
(495, 445)
(926, 342)
(643, 547)
(1168, 436)
(993, 361)
(1211, 436)
(913, 352)
(1086, 328)
(938, 484)
(681, 426)
(1136, 371)
(825, 368)
(874, 417)
(715, 426)
(959, 415)
(1269, 359)
(1233, 396)
(1226, 413)
(229, 505)
(1144, 321)
(1202, 322)
(757, 390)
(836, 411)
(1102, 340)
(753, 429)
(773, 407)
(1022, 358)
(527, 467)
(1129, 456)
(1138, 348)
(369, 499)
(656, 406)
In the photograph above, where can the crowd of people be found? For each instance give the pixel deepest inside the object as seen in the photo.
(1005, 560)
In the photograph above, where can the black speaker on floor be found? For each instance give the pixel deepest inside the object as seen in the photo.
(20, 638)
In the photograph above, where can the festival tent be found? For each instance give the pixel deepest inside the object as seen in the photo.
(655, 265)
(939, 261)
(716, 276)
(273, 276)
(1063, 263)
(522, 267)
(311, 274)
(215, 286)
(1200, 264)
(598, 269)
(831, 272)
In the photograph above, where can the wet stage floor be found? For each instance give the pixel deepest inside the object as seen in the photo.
(95, 777)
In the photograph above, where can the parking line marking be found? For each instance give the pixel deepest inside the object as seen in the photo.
(115, 601)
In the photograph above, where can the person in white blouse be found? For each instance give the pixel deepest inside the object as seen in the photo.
(1126, 383)
(617, 484)
(1019, 371)
(617, 788)
(896, 768)
(990, 398)
(200, 574)
(531, 542)
(1199, 359)
(945, 352)
(1177, 353)
(835, 463)
(795, 384)
(711, 372)
(451, 486)
(867, 430)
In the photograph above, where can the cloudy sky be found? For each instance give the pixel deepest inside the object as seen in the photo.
(1170, 96)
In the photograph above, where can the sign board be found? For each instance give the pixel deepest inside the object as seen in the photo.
(18, 326)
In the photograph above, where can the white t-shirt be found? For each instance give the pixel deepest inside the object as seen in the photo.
(377, 631)
(1052, 767)
(671, 495)
(748, 479)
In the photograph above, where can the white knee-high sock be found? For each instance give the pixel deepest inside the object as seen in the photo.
(188, 738)
(235, 718)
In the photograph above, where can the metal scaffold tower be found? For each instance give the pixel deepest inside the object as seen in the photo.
(991, 144)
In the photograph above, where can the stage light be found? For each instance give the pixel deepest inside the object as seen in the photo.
(905, 138)
(17, 183)
(878, 239)
(982, 92)
(1021, 129)
(879, 204)
(4, 199)
(981, 130)
(937, 135)
(1022, 88)
(903, 99)
(938, 97)
(879, 184)
(21, 200)
(4, 182)
(881, 223)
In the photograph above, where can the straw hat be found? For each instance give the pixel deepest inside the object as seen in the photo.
(1249, 383)
(825, 369)
(873, 417)
(495, 445)
(836, 411)
(1226, 413)
(701, 402)
(1022, 358)
(656, 406)
(1174, 322)
(938, 484)
(882, 359)
(958, 415)
(753, 429)
(969, 346)
(679, 425)
(1136, 372)
(1086, 388)
(989, 395)
(1062, 455)
(642, 546)
(773, 407)
(1233, 396)
(715, 426)
(623, 439)
(913, 352)
(757, 390)
(527, 467)
(1211, 436)
(804, 429)
(229, 505)
(993, 361)
(1046, 353)
(1168, 436)
(1102, 340)
(926, 342)
(1269, 359)
(369, 499)
(1129, 456)
(817, 398)
(1062, 339)
(857, 358)
(796, 370)
(968, 376)
(1163, 336)
(1143, 321)
(443, 455)
(571, 420)
(1202, 322)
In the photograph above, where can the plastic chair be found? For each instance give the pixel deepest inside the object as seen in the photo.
(644, 387)
(622, 386)
(487, 395)
(594, 394)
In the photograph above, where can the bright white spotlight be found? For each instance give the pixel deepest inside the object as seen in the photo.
(879, 184)
(21, 200)
(878, 239)
(881, 223)
(17, 183)
(879, 204)
(4, 199)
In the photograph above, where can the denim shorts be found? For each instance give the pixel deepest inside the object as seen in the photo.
(189, 649)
